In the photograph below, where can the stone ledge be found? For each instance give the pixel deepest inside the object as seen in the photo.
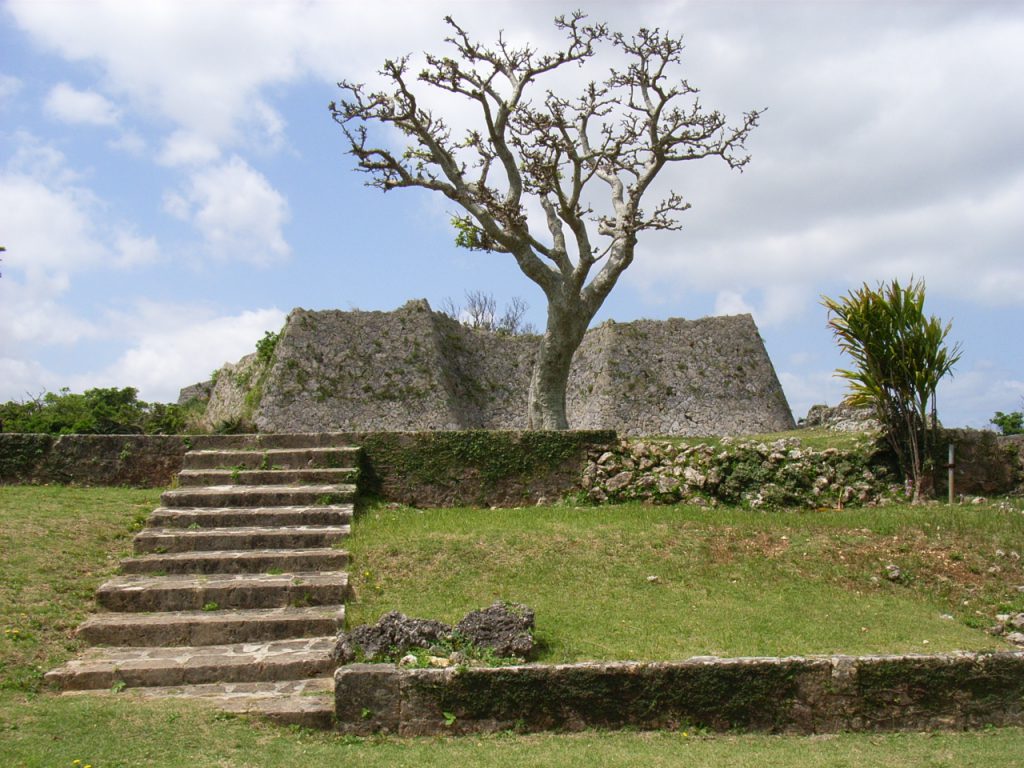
(795, 695)
(449, 468)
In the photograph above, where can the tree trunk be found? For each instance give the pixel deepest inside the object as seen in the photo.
(562, 337)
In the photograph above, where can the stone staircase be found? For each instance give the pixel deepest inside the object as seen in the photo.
(237, 587)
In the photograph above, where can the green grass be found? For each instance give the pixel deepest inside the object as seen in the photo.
(59, 543)
(647, 583)
(111, 733)
(818, 438)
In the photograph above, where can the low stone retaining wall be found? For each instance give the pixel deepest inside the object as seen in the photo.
(752, 473)
(796, 695)
(148, 461)
(495, 468)
(478, 468)
(985, 463)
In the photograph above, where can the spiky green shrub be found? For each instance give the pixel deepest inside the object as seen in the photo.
(899, 357)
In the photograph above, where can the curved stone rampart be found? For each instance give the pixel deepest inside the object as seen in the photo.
(415, 369)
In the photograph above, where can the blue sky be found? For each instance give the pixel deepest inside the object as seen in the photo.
(171, 183)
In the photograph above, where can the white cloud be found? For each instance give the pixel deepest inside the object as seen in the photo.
(31, 312)
(810, 387)
(64, 102)
(131, 250)
(237, 211)
(129, 142)
(169, 353)
(982, 389)
(48, 228)
(22, 379)
(205, 66)
(9, 88)
(43, 162)
(54, 229)
(731, 303)
(200, 65)
(187, 148)
(889, 147)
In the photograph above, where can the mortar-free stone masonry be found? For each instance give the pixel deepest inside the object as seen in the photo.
(414, 369)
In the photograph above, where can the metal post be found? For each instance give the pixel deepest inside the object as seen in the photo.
(950, 465)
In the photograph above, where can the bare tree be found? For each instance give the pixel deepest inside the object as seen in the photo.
(512, 321)
(619, 133)
(481, 312)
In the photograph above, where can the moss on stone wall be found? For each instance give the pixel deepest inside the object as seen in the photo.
(938, 686)
(475, 466)
(805, 695)
(717, 697)
(21, 455)
(138, 460)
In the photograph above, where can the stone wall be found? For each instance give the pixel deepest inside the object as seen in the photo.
(453, 468)
(984, 463)
(796, 695)
(787, 473)
(750, 473)
(414, 369)
(148, 461)
(440, 468)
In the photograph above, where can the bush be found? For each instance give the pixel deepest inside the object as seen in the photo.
(900, 356)
(98, 411)
(1009, 423)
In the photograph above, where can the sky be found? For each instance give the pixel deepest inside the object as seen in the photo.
(172, 184)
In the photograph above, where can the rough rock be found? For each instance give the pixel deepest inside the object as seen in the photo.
(619, 481)
(840, 418)
(507, 628)
(393, 635)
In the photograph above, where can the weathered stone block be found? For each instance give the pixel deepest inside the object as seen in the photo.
(803, 695)
(367, 699)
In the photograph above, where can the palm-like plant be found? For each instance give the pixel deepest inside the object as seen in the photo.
(900, 355)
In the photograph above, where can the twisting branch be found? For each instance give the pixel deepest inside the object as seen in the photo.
(620, 132)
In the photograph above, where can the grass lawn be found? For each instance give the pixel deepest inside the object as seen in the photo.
(58, 543)
(817, 438)
(49, 731)
(728, 582)
(641, 582)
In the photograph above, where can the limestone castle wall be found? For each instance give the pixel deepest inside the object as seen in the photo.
(414, 369)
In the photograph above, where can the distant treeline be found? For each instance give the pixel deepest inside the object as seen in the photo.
(99, 411)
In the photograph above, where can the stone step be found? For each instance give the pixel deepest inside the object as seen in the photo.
(238, 561)
(308, 703)
(198, 478)
(184, 592)
(260, 495)
(171, 628)
(255, 441)
(165, 540)
(276, 660)
(273, 458)
(226, 517)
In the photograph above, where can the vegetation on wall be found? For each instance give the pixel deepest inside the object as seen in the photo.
(101, 411)
(475, 466)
